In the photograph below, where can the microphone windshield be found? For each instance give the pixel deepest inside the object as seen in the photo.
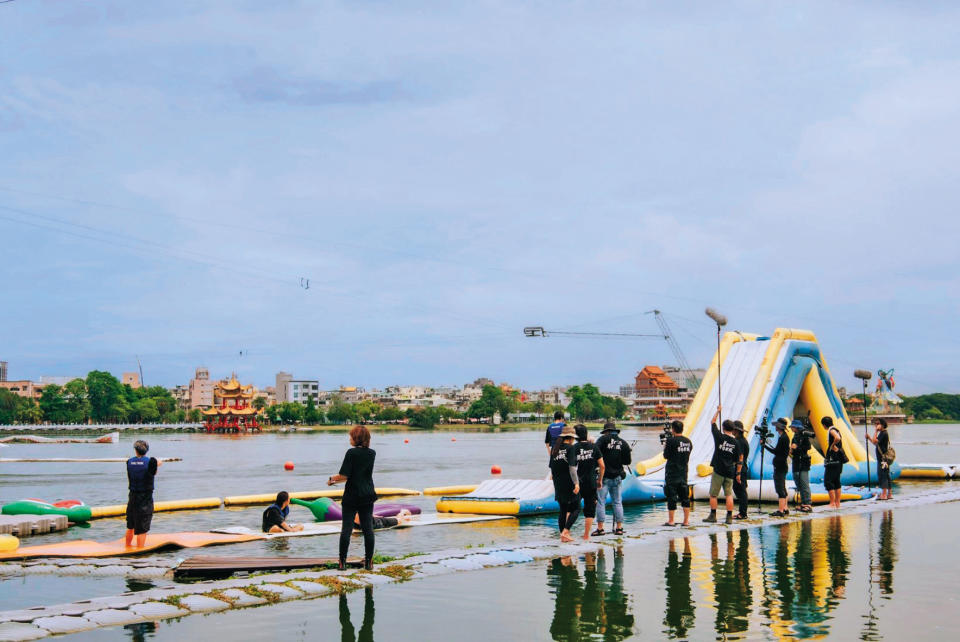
(862, 374)
(716, 316)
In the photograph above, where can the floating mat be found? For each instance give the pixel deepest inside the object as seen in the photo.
(450, 490)
(927, 471)
(333, 528)
(269, 498)
(88, 548)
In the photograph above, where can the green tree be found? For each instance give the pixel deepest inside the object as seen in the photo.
(291, 412)
(75, 397)
(586, 402)
(28, 413)
(311, 416)
(145, 411)
(340, 412)
(108, 401)
(390, 413)
(365, 410)
(53, 405)
(273, 413)
(194, 415)
(491, 400)
(259, 403)
(16, 409)
(426, 417)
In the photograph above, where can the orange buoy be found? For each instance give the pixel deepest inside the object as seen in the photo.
(406, 441)
(495, 470)
(288, 465)
(453, 439)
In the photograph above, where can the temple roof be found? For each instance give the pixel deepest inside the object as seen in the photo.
(213, 412)
(233, 388)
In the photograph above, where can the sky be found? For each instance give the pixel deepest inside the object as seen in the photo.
(174, 175)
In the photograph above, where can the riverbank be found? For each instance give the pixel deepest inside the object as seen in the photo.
(99, 429)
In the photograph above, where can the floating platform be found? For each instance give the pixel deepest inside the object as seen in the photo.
(929, 471)
(268, 498)
(26, 525)
(110, 438)
(533, 497)
(767, 493)
(88, 548)
(210, 567)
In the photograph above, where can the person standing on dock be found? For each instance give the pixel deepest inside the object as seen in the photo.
(140, 473)
(740, 481)
(616, 455)
(726, 463)
(676, 450)
(358, 494)
(780, 454)
(833, 461)
(589, 473)
(554, 430)
(881, 439)
(800, 453)
(566, 484)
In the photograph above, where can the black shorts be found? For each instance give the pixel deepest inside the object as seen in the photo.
(139, 512)
(831, 476)
(780, 482)
(883, 476)
(676, 490)
(588, 490)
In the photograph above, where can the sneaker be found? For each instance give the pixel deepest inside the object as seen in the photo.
(710, 519)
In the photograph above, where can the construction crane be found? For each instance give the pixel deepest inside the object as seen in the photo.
(693, 381)
(539, 331)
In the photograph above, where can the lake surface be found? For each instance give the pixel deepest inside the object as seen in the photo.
(218, 465)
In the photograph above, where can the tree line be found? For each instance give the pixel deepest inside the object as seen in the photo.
(938, 406)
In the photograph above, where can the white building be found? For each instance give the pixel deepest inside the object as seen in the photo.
(288, 389)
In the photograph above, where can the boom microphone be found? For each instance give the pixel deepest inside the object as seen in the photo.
(716, 316)
(863, 374)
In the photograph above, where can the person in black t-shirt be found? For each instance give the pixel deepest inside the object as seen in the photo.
(780, 454)
(590, 468)
(566, 484)
(800, 453)
(616, 455)
(275, 516)
(726, 464)
(676, 450)
(740, 481)
(140, 473)
(833, 461)
(881, 439)
(358, 494)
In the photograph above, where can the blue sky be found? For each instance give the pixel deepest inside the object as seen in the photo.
(447, 173)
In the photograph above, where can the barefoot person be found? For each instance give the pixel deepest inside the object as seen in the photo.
(140, 473)
(881, 439)
(275, 516)
(833, 461)
(358, 494)
(566, 485)
(676, 450)
(589, 474)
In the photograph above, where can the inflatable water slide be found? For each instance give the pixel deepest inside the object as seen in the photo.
(783, 375)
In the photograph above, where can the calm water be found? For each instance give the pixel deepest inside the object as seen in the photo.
(868, 577)
(219, 465)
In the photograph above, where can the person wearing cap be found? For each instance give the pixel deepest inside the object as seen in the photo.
(589, 473)
(616, 455)
(881, 440)
(566, 484)
(740, 481)
(800, 454)
(726, 464)
(780, 454)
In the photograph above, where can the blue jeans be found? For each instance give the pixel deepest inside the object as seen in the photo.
(801, 478)
(611, 486)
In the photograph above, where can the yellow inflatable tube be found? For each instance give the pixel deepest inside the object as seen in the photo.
(8, 543)
(268, 498)
(449, 490)
(699, 400)
(119, 510)
(814, 396)
(489, 507)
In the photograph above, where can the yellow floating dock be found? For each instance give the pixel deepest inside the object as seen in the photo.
(119, 510)
(267, 498)
(450, 490)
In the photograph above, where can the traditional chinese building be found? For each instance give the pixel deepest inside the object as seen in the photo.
(232, 410)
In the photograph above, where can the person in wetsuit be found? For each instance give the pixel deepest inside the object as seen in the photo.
(726, 464)
(140, 473)
(833, 461)
(358, 494)
(800, 454)
(275, 516)
(553, 430)
(379, 523)
(589, 473)
(676, 450)
(781, 451)
(616, 455)
(566, 484)
(740, 481)
(881, 439)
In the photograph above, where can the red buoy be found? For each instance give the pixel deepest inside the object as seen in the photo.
(453, 439)
(288, 465)
(406, 441)
(495, 470)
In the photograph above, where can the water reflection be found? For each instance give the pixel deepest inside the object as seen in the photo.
(679, 615)
(347, 632)
(887, 556)
(594, 607)
(140, 631)
(732, 591)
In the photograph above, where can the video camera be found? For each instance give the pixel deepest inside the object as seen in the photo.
(666, 434)
(763, 430)
(808, 431)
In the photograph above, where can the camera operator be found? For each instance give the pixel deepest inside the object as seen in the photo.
(726, 465)
(676, 450)
(780, 453)
(740, 481)
(800, 453)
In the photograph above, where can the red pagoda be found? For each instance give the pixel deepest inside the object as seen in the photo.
(231, 411)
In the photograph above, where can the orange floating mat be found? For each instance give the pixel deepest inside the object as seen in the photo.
(89, 548)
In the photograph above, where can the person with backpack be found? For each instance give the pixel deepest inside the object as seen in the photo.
(833, 461)
(800, 447)
(616, 455)
(780, 454)
(885, 456)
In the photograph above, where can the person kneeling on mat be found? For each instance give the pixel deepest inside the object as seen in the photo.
(780, 454)
(275, 517)
(726, 464)
(676, 450)
(589, 473)
(140, 473)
